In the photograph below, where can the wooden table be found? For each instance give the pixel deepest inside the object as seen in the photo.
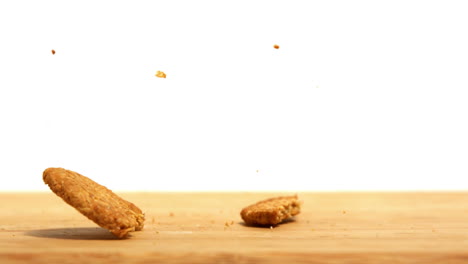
(206, 228)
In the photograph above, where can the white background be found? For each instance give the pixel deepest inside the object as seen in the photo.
(361, 95)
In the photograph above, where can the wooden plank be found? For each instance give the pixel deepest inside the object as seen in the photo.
(206, 228)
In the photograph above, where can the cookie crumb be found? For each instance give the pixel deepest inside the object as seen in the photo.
(344, 212)
(53, 52)
(171, 214)
(160, 74)
(276, 46)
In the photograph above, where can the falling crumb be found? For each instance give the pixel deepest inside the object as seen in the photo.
(276, 46)
(160, 74)
(53, 52)
(226, 224)
(271, 227)
(171, 214)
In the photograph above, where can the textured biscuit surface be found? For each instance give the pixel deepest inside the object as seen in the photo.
(272, 211)
(95, 201)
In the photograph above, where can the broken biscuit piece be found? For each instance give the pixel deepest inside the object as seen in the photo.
(95, 201)
(160, 74)
(272, 211)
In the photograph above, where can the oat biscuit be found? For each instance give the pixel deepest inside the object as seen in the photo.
(95, 201)
(272, 211)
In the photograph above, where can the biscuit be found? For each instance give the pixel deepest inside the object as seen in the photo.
(160, 74)
(95, 201)
(272, 211)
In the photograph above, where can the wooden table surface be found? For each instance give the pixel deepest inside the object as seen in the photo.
(409, 227)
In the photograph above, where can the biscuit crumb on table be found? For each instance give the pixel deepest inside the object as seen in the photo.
(53, 52)
(271, 212)
(95, 201)
(276, 46)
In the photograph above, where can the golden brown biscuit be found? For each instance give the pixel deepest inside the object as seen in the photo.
(95, 201)
(160, 74)
(272, 211)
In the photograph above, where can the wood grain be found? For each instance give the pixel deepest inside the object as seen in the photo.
(196, 228)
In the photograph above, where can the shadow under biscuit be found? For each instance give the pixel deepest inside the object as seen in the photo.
(76, 233)
(289, 220)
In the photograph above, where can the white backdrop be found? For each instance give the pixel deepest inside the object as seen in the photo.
(361, 95)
